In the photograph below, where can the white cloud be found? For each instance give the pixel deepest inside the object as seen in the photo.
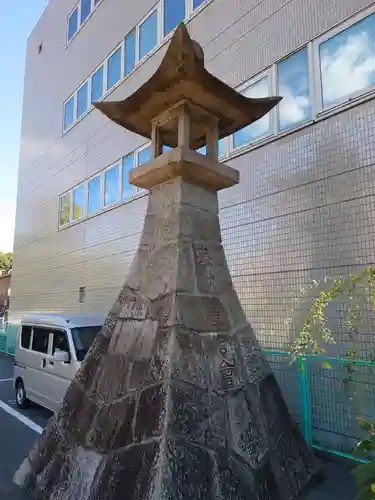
(293, 108)
(349, 68)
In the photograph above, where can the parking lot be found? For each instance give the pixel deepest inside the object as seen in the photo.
(18, 428)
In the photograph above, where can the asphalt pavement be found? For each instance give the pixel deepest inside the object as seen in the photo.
(18, 428)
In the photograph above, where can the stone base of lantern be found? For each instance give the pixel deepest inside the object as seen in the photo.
(175, 399)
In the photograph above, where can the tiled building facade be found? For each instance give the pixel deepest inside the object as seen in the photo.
(305, 205)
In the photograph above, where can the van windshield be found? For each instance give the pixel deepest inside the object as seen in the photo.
(83, 337)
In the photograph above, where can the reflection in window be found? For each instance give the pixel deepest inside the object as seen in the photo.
(127, 188)
(96, 2)
(68, 113)
(114, 69)
(221, 147)
(97, 85)
(93, 195)
(73, 24)
(174, 13)
(144, 155)
(148, 34)
(260, 127)
(347, 61)
(130, 41)
(64, 213)
(111, 186)
(293, 78)
(85, 10)
(197, 3)
(82, 100)
(78, 202)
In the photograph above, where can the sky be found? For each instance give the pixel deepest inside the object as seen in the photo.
(16, 25)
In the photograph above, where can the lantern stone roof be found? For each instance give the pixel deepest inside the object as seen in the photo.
(183, 76)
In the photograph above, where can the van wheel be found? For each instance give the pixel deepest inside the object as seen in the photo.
(21, 399)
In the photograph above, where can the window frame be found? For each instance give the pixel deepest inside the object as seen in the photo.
(278, 130)
(319, 109)
(84, 210)
(270, 74)
(80, 24)
(78, 7)
(120, 47)
(135, 188)
(87, 182)
(104, 83)
(188, 12)
(69, 192)
(88, 100)
(74, 97)
(159, 19)
(117, 163)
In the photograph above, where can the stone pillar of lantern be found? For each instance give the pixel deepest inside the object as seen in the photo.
(175, 399)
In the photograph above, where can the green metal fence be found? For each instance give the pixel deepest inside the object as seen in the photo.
(320, 398)
(325, 401)
(8, 339)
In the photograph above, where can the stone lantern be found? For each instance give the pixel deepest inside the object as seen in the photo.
(175, 399)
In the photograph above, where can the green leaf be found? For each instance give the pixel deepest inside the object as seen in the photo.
(327, 365)
(365, 494)
(365, 475)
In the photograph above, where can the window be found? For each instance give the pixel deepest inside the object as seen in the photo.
(347, 62)
(222, 147)
(97, 84)
(83, 338)
(82, 100)
(148, 34)
(78, 202)
(130, 42)
(261, 127)
(40, 340)
(25, 336)
(293, 80)
(85, 10)
(127, 165)
(174, 13)
(60, 342)
(68, 113)
(93, 202)
(64, 216)
(96, 2)
(197, 3)
(144, 156)
(111, 186)
(73, 24)
(114, 68)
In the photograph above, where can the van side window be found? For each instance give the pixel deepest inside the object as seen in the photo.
(60, 342)
(25, 336)
(40, 340)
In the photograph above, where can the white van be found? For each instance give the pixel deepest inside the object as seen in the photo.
(49, 351)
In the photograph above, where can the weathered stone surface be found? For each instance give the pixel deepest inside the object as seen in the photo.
(186, 471)
(188, 359)
(112, 426)
(167, 270)
(175, 399)
(151, 412)
(201, 313)
(247, 427)
(188, 411)
(225, 366)
(211, 269)
(128, 473)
